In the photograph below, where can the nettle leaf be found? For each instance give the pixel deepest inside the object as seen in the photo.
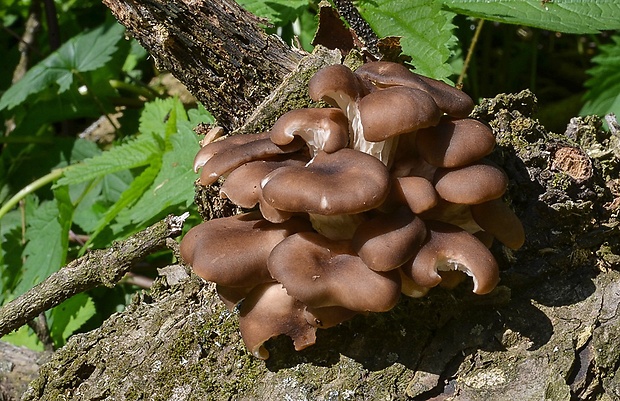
(173, 186)
(425, 31)
(133, 154)
(82, 53)
(277, 12)
(603, 95)
(569, 16)
(69, 316)
(47, 233)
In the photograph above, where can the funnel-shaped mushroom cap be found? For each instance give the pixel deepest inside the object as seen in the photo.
(450, 248)
(231, 158)
(343, 182)
(455, 143)
(337, 85)
(213, 248)
(389, 240)
(395, 111)
(496, 217)
(322, 129)
(320, 272)
(213, 148)
(267, 312)
(451, 101)
(476, 183)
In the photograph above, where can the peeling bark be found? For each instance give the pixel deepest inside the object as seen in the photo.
(548, 331)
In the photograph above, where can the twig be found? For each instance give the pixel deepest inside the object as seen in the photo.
(100, 267)
(53, 31)
(470, 52)
(612, 122)
(41, 329)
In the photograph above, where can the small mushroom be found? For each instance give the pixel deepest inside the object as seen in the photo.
(455, 142)
(212, 248)
(416, 192)
(322, 129)
(267, 312)
(388, 240)
(448, 247)
(213, 148)
(397, 110)
(337, 85)
(496, 217)
(230, 158)
(451, 101)
(320, 273)
(343, 182)
(472, 184)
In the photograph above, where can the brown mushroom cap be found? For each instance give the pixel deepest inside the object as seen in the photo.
(230, 158)
(448, 247)
(388, 240)
(213, 148)
(455, 143)
(337, 85)
(212, 248)
(322, 129)
(343, 182)
(416, 192)
(498, 219)
(268, 311)
(450, 100)
(320, 273)
(242, 186)
(395, 111)
(328, 316)
(470, 185)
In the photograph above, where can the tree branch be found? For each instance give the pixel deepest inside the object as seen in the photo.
(100, 267)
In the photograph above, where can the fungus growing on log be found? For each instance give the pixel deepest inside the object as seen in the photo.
(386, 193)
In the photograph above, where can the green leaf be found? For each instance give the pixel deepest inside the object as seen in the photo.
(47, 233)
(69, 316)
(136, 153)
(173, 186)
(277, 12)
(425, 31)
(82, 53)
(569, 16)
(24, 337)
(603, 95)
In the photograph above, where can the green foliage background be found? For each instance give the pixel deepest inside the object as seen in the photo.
(56, 186)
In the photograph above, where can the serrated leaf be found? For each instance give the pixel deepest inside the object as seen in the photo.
(173, 186)
(603, 95)
(569, 16)
(69, 316)
(425, 29)
(24, 337)
(156, 115)
(136, 153)
(82, 53)
(47, 233)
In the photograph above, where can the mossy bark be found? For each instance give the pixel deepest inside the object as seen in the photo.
(548, 331)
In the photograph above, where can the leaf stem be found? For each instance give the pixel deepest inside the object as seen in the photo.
(470, 52)
(30, 188)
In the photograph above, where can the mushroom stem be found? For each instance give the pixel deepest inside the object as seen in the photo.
(336, 227)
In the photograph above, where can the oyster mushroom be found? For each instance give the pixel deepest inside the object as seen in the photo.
(321, 273)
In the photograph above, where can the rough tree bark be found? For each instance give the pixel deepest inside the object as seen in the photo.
(548, 332)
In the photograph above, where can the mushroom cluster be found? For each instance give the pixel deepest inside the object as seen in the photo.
(386, 192)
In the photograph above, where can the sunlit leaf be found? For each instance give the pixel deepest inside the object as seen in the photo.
(69, 316)
(425, 31)
(83, 53)
(570, 16)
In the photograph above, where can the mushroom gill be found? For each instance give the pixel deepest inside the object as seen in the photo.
(387, 192)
